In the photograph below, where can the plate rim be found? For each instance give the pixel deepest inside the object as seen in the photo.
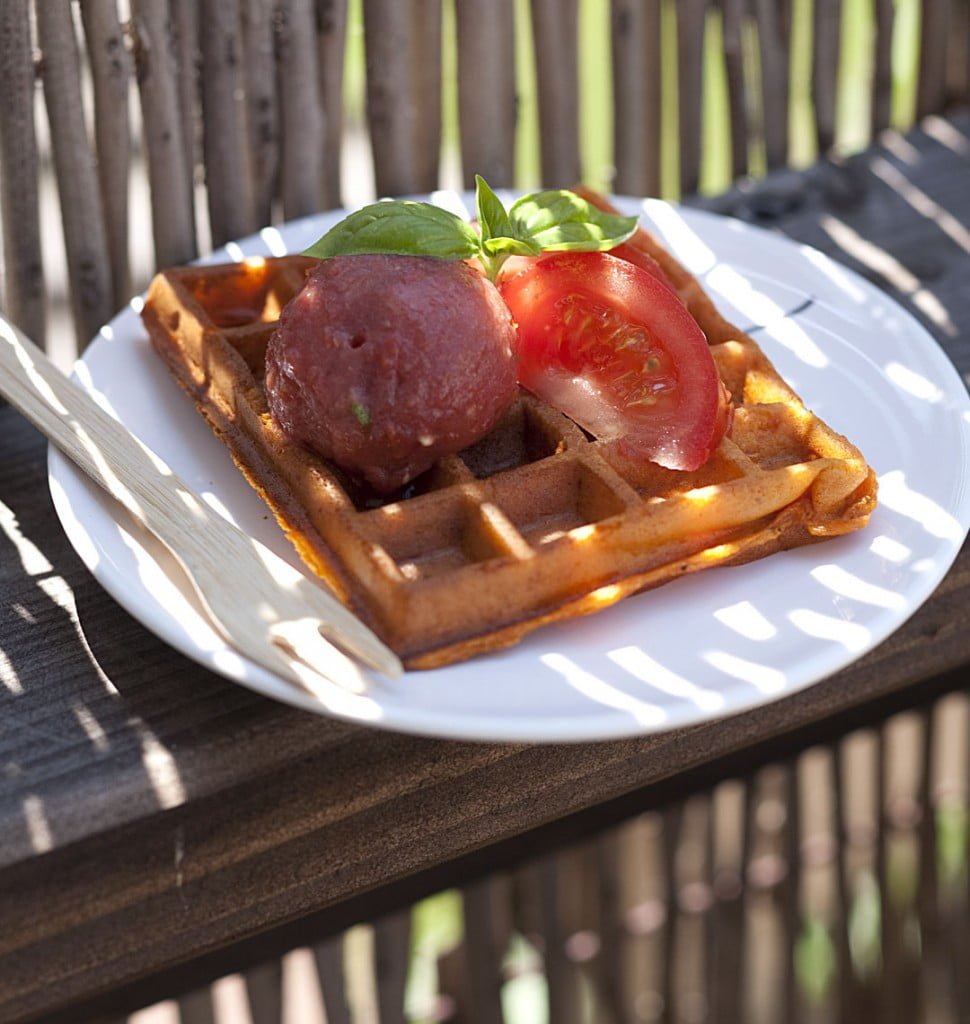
(559, 729)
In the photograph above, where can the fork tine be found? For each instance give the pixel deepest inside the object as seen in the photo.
(305, 638)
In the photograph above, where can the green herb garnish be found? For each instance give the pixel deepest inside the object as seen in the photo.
(550, 221)
(360, 411)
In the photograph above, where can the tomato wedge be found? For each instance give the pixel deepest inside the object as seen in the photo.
(607, 343)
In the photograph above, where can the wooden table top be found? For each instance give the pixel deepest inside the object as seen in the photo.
(153, 814)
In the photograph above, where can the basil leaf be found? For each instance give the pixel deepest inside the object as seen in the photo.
(493, 220)
(403, 228)
(560, 221)
(510, 247)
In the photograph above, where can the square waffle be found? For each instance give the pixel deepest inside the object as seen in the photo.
(535, 522)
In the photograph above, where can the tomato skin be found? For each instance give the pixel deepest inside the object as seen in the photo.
(615, 349)
(629, 252)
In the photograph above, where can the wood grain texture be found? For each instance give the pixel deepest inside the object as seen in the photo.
(486, 117)
(554, 29)
(635, 36)
(82, 214)
(23, 272)
(279, 816)
(111, 70)
(159, 72)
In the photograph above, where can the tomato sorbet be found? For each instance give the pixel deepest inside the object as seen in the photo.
(383, 364)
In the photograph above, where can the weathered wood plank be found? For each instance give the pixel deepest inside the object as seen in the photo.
(111, 69)
(554, 29)
(19, 201)
(88, 262)
(486, 116)
(169, 175)
(635, 35)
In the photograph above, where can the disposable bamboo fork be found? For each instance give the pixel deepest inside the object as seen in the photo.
(257, 603)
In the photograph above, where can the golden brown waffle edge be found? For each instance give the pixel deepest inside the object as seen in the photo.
(533, 524)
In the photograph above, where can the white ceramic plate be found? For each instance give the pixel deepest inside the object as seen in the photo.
(696, 649)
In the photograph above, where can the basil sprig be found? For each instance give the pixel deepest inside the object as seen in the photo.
(550, 221)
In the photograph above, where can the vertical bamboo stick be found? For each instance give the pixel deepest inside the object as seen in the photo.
(673, 817)
(484, 949)
(391, 113)
(259, 46)
(958, 54)
(188, 61)
(77, 181)
(426, 90)
(486, 45)
(392, 938)
(555, 29)
(882, 78)
(332, 45)
(635, 32)
(826, 40)
(19, 203)
(734, 13)
(330, 971)
(931, 88)
(301, 114)
(111, 75)
(228, 174)
(610, 968)
(264, 986)
(691, 18)
(791, 902)
(563, 999)
(173, 219)
(774, 21)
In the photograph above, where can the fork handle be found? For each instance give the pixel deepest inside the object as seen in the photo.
(69, 417)
(116, 460)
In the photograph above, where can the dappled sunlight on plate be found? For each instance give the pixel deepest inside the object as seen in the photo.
(704, 646)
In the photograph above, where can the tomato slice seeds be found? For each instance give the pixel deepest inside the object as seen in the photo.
(611, 346)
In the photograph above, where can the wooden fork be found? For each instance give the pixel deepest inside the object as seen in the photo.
(260, 605)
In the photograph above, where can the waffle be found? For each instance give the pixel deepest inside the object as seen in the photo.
(534, 523)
